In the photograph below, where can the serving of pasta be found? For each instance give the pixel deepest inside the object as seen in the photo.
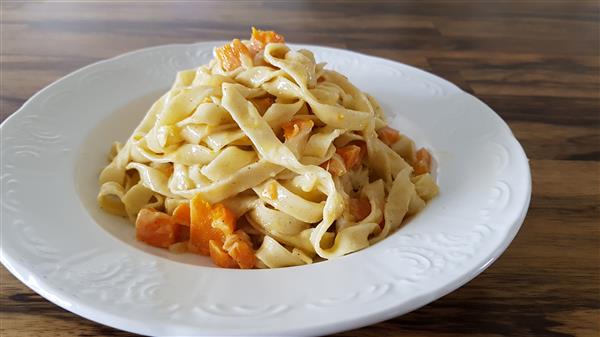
(263, 158)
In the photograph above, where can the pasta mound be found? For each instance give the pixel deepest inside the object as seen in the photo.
(263, 158)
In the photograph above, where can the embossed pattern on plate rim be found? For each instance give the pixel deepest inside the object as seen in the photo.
(372, 292)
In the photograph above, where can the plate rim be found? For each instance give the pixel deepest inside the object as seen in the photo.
(107, 318)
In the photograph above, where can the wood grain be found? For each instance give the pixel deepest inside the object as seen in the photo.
(536, 63)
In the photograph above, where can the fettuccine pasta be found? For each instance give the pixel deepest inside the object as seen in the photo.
(263, 158)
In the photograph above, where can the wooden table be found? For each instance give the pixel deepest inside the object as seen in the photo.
(535, 63)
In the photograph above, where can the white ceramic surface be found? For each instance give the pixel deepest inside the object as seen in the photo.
(58, 242)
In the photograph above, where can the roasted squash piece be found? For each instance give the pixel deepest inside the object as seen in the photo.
(388, 135)
(423, 163)
(351, 155)
(219, 256)
(230, 54)
(200, 225)
(239, 247)
(360, 208)
(181, 214)
(222, 223)
(155, 228)
(260, 39)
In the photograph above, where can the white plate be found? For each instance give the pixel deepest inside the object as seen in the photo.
(58, 242)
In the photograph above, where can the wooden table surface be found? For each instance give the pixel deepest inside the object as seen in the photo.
(535, 63)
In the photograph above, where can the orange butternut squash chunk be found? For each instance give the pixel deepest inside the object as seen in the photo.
(423, 163)
(230, 54)
(351, 155)
(222, 223)
(388, 135)
(239, 247)
(219, 256)
(200, 225)
(209, 228)
(260, 39)
(360, 208)
(181, 214)
(155, 228)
